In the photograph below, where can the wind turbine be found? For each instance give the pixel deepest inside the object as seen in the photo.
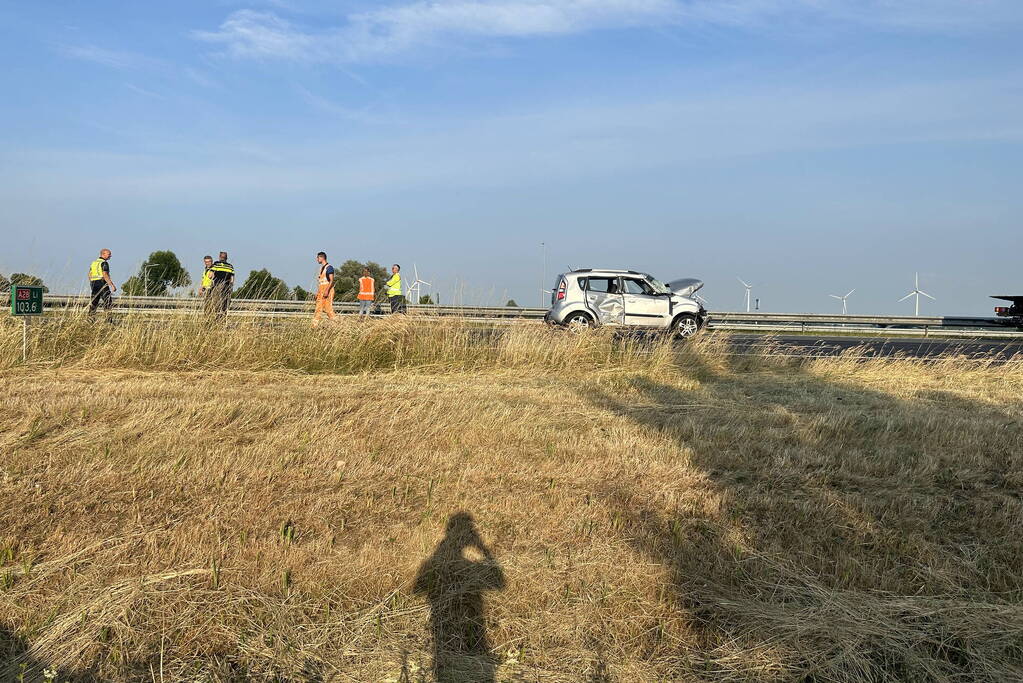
(414, 287)
(842, 299)
(917, 292)
(749, 288)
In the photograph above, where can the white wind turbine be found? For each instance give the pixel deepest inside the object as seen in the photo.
(842, 299)
(415, 286)
(749, 288)
(917, 292)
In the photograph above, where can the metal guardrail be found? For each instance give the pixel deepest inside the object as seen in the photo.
(753, 321)
(271, 306)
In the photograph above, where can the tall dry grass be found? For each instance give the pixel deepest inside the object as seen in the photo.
(636, 511)
(192, 342)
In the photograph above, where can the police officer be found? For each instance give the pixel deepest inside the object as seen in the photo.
(100, 283)
(222, 285)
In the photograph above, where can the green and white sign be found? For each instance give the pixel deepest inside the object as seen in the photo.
(26, 300)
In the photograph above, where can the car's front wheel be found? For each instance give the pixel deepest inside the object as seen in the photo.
(685, 326)
(578, 321)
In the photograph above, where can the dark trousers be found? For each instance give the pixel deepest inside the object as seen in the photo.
(100, 296)
(218, 299)
(397, 303)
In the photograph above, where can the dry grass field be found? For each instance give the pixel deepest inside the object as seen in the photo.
(403, 501)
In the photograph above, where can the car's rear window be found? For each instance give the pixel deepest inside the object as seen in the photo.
(608, 285)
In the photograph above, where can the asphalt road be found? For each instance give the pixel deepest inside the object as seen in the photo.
(804, 345)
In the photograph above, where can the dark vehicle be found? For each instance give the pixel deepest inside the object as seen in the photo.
(1013, 315)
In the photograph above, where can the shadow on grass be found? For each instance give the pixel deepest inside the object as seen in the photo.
(837, 533)
(16, 664)
(453, 584)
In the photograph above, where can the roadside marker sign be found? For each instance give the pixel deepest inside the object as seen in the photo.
(26, 300)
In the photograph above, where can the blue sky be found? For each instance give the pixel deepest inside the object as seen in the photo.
(808, 146)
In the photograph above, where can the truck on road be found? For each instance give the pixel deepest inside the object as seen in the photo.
(1010, 315)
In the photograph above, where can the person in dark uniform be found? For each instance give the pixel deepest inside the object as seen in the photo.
(100, 283)
(223, 285)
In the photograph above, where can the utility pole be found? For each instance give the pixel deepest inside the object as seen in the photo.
(543, 276)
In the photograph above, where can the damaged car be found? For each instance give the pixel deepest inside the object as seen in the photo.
(589, 297)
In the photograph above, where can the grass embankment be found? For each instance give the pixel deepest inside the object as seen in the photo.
(391, 501)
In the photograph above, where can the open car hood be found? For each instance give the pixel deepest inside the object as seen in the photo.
(686, 286)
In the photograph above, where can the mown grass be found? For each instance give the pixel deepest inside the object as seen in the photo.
(287, 505)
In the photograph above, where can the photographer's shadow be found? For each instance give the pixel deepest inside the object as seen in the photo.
(453, 584)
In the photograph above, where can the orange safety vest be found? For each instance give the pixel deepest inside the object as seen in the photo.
(367, 289)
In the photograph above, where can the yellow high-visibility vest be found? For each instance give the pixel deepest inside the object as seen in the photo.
(96, 270)
(222, 267)
(394, 285)
(207, 278)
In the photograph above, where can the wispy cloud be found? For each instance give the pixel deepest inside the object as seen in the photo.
(142, 91)
(399, 28)
(116, 59)
(328, 106)
(584, 141)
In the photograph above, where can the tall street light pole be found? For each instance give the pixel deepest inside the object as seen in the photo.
(543, 277)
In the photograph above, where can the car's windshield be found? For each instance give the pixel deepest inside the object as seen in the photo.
(658, 286)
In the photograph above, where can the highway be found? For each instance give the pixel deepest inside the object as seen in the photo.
(874, 346)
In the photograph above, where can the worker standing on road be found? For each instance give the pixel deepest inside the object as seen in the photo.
(222, 286)
(100, 283)
(325, 289)
(394, 294)
(207, 276)
(367, 292)
(206, 285)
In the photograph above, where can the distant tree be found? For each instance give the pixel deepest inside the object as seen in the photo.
(346, 278)
(5, 284)
(161, 272)
(300, 294)
(261, 284)
(426, 299)
(511, 304)
(28, 280)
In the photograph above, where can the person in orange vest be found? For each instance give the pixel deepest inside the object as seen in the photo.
(367, 292)
(325, 289)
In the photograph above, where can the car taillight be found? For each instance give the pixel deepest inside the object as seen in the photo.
(561, 290)
(1001, 310)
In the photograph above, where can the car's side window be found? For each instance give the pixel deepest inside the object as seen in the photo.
(637, 287)
(606, 285)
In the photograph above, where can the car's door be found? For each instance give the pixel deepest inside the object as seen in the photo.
(604, 299)
(643, 306)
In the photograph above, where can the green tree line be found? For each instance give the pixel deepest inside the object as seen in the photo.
(21, 279)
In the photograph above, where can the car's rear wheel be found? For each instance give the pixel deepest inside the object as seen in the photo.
(685, 326)
(578, 321)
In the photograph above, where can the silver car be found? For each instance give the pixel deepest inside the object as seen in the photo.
(590, 297)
